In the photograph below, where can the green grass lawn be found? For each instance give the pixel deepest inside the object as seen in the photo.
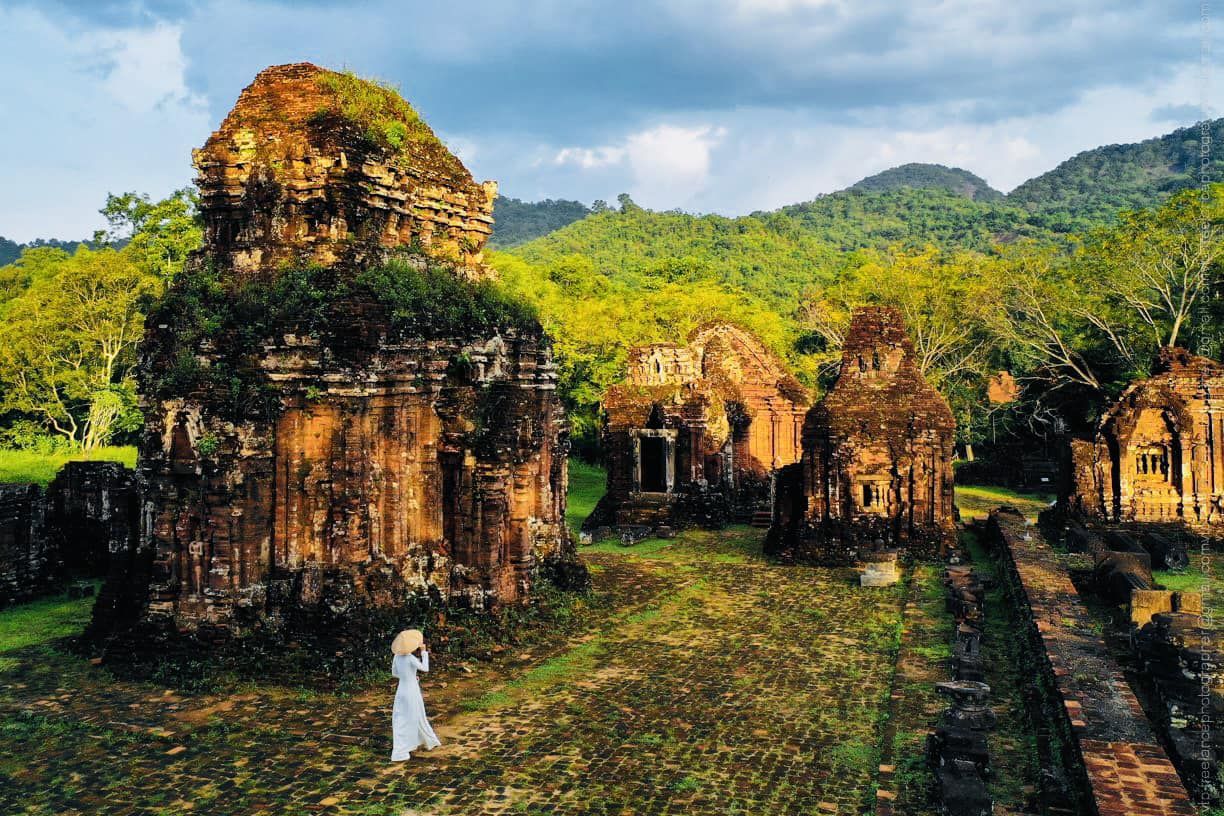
(976, 501)
(40, 468)
(41, 621)
(586, 488)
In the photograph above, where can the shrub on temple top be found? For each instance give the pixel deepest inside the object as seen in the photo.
(421, 298)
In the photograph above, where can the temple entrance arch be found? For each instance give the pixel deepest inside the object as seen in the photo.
(654, 460)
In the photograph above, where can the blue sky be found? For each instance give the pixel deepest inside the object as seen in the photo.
(707, 105)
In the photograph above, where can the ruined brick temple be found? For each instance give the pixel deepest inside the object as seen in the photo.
(369, 458)
(1157, 455)
(876, 470)
(696, 430)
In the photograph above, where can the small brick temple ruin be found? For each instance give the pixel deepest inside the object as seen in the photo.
(1157, 455)
(876, 471)
(696, 431)
(372, 459)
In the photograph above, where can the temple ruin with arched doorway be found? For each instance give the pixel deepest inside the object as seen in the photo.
(695, 432)
(1157, 456)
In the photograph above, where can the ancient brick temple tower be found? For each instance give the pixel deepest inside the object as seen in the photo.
(695, 431)
(357, 459)
(877, 456)
(1158, 455)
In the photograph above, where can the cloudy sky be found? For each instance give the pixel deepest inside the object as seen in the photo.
(707, 105)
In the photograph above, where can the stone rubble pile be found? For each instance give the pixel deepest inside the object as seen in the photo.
(958, 750)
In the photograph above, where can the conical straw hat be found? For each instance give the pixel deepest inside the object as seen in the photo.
(407, 642)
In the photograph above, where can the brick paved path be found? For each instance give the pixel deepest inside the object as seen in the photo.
(715, 683)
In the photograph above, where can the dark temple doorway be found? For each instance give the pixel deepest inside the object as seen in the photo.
(654, 464)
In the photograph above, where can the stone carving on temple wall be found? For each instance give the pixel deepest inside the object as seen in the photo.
(695, 432)
(876, 470)
(1157, 455)
(361, 466)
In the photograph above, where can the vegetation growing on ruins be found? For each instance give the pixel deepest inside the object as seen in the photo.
(421, 297)
(377, 107)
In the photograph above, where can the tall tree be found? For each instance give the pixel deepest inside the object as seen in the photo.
(157, 234)
(1150, 271)
(67, 347)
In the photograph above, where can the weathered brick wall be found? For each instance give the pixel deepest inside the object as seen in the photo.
(91, 513)
(382, 467)
(733, 415)
(286, 179)
(1157, 455)
(28, 568)
(1106, 737)
(405, 485)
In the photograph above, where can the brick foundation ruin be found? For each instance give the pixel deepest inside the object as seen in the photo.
(363, 466)
(70, 530)
(876, 470)
(1112, 750)
(695, 432)
(1157, 455)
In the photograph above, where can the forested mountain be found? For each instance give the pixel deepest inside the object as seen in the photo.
(516, 222)
(857, 219)
(1090, 188)
(930, 177)
(776, 255)
(11, 250)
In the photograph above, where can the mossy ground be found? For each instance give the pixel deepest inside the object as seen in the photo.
(702, 679)
(698, 677)
(976, 501)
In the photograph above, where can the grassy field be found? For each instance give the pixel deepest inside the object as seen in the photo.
(976, 501)
(40, 622)
(40, 468)
(586, 487)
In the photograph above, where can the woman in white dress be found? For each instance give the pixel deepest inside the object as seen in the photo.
(410, 728)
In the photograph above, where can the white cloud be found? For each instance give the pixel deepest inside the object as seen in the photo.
(144, 68)
(93, 112)
(669, 164)
(589, 158)
(749, 7)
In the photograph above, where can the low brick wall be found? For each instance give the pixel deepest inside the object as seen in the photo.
(71, 530)
(27, 567)
(1109, 742)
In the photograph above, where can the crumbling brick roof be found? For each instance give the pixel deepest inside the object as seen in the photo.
(880, 391)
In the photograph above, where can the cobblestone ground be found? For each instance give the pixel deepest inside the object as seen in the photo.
(711, 682)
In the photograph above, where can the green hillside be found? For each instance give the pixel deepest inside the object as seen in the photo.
(857, 219)
(517, 222)
(930, 177)
(1090, 188)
